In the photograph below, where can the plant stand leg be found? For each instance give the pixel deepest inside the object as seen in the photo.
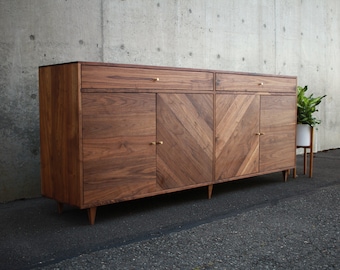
(311, 153)
(304, 160)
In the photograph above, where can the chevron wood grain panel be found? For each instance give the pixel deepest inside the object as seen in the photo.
(237, 145)
(185, 157)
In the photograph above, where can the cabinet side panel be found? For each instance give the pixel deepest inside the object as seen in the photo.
(45, 107)
(59, 131)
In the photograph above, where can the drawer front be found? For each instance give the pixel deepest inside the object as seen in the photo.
(255, 83)
(139, 78)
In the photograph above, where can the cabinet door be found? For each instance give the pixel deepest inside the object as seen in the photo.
(237, 142)
(118, 160)
(185, 126)
(277, 124)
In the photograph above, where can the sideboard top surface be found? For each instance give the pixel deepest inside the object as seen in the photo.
(171, 68)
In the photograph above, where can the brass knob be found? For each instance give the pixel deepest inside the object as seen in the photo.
(261, 83)
(153, 143)
(160, 142)
(258, 133)
(156, 79)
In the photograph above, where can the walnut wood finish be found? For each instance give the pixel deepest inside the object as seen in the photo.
(112, 133)
(278, 123)
(254, 83)
(186, 156)
(119, 160)
(139, 78)
(237, 142)
(254, 133)
(60, 134)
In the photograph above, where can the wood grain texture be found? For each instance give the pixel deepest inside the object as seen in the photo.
(118, 114)
(251, 83)
(118, 158)
(61, 165)
(102, 128)
(237, 145)
(239, 151)
(185, 125)
(139, 78)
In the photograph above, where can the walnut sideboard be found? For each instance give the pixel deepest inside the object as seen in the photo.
(114, 132)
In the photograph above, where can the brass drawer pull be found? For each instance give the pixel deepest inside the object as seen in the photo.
(261, 83)
(154, 143)
(156, 79)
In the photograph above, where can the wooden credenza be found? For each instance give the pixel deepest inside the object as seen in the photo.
(113, 132)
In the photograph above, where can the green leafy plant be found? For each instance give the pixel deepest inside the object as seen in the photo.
(306, 106)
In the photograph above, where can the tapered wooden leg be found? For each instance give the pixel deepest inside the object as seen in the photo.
(285, 175)
(305, 160)
(60, 207)
(91, 212)
(311, 153)
(311, 164)
(210, 189)
(294, 173)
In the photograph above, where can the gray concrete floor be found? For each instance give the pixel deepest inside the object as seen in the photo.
(255, 223)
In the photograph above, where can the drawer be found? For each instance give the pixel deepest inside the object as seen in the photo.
(255, 83)
(93, 76)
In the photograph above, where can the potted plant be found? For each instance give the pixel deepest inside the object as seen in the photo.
(306, 106)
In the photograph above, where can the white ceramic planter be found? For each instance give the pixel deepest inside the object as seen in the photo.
(303, 132)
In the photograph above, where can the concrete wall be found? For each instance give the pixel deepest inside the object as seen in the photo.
(292, 37)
